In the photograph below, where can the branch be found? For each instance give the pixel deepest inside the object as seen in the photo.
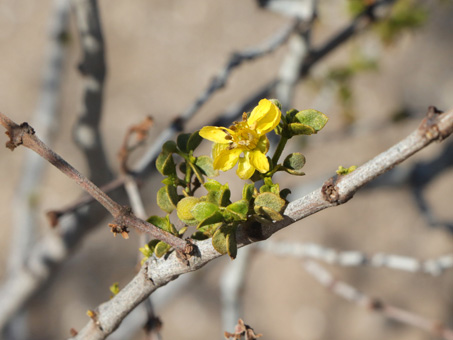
(25, 135)
(353, 295)
(432, 267)
(158, 272)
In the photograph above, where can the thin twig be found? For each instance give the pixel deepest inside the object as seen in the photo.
(158, 272)
(351, 294)
(24, 135)
(432, 267)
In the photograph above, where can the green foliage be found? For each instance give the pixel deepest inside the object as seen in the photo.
(213, 213)
(344, 171)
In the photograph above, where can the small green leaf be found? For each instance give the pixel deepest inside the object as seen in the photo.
(169, 147)
(294, 161)
(269, 186)
(217, 193)
(269, 200)
(224, 241)
(294, 172)
(212, 185)
(313, 118)
(215, 218)
(194, 140)
(232, 246)
(300, 129)
(115, 288)
(163, 223)
(206, 231)
(247, 192)
(344, 171)
(270, 213)
(182, 141)
(161, 249)
(203, 210)
(165, 164)
(183, 210)
(205, 163)
(239, 207)
(167, 198)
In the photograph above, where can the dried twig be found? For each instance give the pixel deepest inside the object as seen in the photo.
(356, 258)
(351, 294)
(158, 272)
(24, 135)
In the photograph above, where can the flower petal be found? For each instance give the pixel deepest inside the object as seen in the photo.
(224, 159)
(259, 161)
(245, 168)
(265, 117)
(215, 134)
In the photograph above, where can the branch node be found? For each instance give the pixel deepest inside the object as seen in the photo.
(16, 134)
(119, 225)
(429, 126)
(330, 192)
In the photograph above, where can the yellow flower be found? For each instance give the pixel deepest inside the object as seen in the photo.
(247, 137)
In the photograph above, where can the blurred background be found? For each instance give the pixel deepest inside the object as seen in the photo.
(161, 55)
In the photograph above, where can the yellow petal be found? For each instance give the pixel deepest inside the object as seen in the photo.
(259, 161)
(245, 169)
(215, 134)
(225, 159)
(265, 117)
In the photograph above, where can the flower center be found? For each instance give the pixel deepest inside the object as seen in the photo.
(244, 136)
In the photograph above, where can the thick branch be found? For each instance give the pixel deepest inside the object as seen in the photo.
(158, 272)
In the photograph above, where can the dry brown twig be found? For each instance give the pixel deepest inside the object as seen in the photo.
(25, 135)
(353, 295)
(156, 273)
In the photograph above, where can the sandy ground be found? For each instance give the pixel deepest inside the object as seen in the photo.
(161, 55)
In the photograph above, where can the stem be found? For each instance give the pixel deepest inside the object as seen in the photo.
(278, 152)
(24, 135)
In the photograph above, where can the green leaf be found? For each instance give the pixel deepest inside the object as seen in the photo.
(270, 213)
(161, 249)
(237, 211)
(203, 210)
(300, 129)
(269, 200)
(224, 240)
(290, 115)
(217, 193)
(115, 288)
(294, 172)
(269, 186)
(183, 210)
(205, 163)
(182, 141)
(206, 231)
(344, 171)
(163, 223)
(169, 147)
(212, 185)
(215, 218)
(165, 164)
(247, 192)
(313, 118)
(194, 141)
(294, 161)
(167, 198)
(239, 207)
